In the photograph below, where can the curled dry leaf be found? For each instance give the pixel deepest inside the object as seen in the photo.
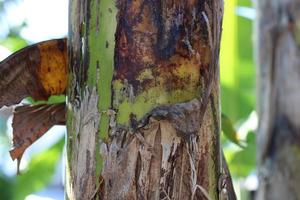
(38, 71)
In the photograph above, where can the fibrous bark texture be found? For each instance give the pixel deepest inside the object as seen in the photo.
(143, 100)
(159, 161)
(278, 58)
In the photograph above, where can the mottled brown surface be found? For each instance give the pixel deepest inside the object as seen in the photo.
(160, 36)
(37, 71)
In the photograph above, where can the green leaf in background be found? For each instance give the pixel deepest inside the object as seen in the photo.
(6, 189)
(230, 132)
(57, 99)
(52, 100)
(243, 162)
(13, 43)
(236, 61)
(237, 85)
(38, 173)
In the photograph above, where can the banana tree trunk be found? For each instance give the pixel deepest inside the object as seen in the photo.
(143, 99)
(278, 58)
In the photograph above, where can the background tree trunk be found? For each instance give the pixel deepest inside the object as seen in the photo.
(278, 58)
(143, 100)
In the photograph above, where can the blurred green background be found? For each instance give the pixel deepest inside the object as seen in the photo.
(42, 170)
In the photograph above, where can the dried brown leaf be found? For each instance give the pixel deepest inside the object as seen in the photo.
(30, 122)
(39, 71)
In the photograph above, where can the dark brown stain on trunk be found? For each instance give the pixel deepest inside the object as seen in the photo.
(160, 36)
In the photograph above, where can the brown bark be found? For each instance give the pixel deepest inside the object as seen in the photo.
(278, 58)
(171, 150)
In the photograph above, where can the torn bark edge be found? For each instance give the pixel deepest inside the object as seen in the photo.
(184, 117)
(186, 120)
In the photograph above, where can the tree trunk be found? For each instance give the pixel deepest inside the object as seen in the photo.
(143, 100)
(278, 57)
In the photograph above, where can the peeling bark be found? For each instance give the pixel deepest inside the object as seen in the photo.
(82, 148)
(149, 86)
(163, 157)
(278, 99)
